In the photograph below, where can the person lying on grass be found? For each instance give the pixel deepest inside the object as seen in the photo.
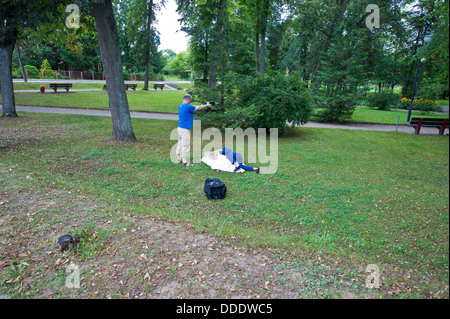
(219, 162)
(235, 158)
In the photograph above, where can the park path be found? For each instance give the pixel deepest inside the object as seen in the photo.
(174, 117)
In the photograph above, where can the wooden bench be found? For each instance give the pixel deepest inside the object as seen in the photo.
(127, 86)
(55, 86)
(132, 86)
(156, 86)
(419, 122)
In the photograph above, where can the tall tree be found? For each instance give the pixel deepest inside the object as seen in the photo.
(436, 81)
(207, 23)
(142, 36)
(138, 35)
(217, 61)
(8, 37)
(265, 10)
(112, 64)
(150, 18)
(240, 46)
(343, 65)
(259, 11)
(15, 15)
(122, 10)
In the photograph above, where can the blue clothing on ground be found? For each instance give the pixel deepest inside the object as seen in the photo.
(247, 168)
(235, 157)
(186, 116)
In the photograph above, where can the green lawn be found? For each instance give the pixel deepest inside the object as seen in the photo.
(154, 101)
(167, 101)
(340, 197)
(368, 115)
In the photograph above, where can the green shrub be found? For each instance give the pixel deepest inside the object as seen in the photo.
(383, 100)
(423, 105)
(32, 71)
(263, 101)
(49, 74)
(45, 65)
(17, 74)
(431, 89)
(33, 74)
(335, 108)
(47, 70)
(200, 83)
(231, 118)
(30, 67)
(279, 99)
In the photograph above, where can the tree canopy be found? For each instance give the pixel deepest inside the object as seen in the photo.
(327, 42)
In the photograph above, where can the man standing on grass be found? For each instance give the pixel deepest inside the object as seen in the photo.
(186, 119)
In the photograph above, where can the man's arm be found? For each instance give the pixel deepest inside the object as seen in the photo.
(201, 107)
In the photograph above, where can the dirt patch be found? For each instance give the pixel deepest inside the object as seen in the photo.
(135, 256)
(14, 139)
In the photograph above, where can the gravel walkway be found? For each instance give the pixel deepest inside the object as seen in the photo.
(169, 116)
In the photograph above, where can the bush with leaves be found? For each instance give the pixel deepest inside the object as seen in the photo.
(271, 100)
(383, 100)
(422, 105)
(432, 89)
(335, 108)
(32, 71)
(46, 69)
(17, 73)
(279, 98)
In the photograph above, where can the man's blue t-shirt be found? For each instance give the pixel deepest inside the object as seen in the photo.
(186, 116)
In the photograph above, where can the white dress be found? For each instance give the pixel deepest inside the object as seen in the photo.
(221, 163)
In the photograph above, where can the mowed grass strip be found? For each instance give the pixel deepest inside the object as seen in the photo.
(166, 101)
(368, 115)
(353, 197)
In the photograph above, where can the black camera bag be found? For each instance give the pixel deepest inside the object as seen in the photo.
(214, 188)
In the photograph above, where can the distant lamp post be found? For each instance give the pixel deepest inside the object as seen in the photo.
(419, 73)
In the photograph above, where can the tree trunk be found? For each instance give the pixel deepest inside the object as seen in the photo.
(257, 54)
(147, 46)
(20, 64)
(6, 84)
(205, 68)
(212, 80)
(217, 51)
(264, 17)
(262, 63)
(112, 66)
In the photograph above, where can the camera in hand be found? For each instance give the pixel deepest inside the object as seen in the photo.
(207, 110)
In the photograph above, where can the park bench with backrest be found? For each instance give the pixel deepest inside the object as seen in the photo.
(127, 86)
(132, 86)
(419, 122)
(156, 86)
(55, 86)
